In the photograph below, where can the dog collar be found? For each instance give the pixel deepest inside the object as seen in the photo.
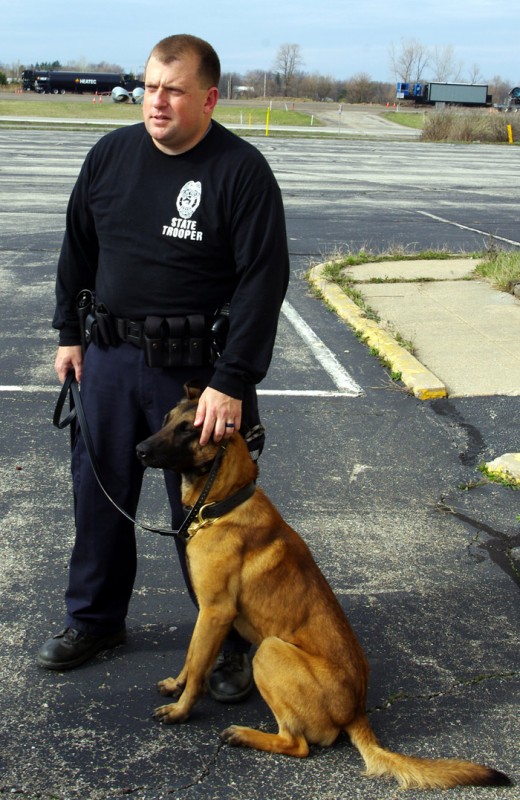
(211, 512)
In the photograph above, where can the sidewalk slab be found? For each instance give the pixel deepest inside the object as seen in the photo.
(465, 334)
(424, 384)
(442, 269)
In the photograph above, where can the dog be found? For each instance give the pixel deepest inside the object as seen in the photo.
(251, 570)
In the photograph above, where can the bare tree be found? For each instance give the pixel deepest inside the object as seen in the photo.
(288, 59)
(409, 61)
(359, 88)
(443, 64)
(499, 88)
(475, 75)
(319, 87)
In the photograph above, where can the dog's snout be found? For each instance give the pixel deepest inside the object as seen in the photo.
(143, 450)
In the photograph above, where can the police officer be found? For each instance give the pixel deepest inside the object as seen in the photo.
(170, 221)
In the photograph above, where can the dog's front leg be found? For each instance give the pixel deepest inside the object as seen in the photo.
(174, 687)
(210, 631)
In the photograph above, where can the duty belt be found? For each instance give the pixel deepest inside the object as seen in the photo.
(192, 340)
(169, 341)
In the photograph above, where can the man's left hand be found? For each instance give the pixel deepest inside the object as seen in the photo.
(218, 414)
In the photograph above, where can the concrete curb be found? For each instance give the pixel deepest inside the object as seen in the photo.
(423, 383)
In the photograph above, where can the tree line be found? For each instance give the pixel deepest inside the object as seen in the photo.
(410, 61)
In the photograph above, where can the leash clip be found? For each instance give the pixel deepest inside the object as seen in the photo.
(201, 521)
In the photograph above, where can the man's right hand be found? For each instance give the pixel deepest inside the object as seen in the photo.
(69, 358)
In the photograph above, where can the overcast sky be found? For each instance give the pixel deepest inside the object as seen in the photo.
(337, 37)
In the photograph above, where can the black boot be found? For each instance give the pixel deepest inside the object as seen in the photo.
(71, 647)
(232, 678)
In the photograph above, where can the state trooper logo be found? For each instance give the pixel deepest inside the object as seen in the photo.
(188, 200)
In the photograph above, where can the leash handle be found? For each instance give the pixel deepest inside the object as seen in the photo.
(56, 420)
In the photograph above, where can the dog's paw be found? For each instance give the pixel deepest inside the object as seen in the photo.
(170, 714)
(232, 736)
(170, 687)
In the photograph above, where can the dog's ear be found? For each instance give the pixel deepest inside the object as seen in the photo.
(192, 390)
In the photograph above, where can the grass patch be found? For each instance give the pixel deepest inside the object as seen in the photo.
(258, 116)
(53, 108)
(468, 125)
(90, 108)
(408, 119)
(501, 268)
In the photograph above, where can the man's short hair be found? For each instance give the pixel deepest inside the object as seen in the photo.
(174, 47)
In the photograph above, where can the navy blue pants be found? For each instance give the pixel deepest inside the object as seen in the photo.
(124, 402)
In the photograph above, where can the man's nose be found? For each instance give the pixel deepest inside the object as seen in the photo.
(160, 97)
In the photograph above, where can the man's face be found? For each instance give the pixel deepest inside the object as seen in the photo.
(176, 108)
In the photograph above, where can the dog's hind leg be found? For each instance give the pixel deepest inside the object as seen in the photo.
(288, 683)
(284, 741)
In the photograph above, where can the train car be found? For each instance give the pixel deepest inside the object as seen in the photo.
(76, 82)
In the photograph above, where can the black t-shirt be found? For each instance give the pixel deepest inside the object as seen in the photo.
(165, 235)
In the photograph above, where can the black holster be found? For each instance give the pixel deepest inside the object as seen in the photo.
(85, 303)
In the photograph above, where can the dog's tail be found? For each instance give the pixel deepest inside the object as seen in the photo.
(418, 773)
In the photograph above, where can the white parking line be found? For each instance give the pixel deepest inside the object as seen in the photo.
(30, 388)
(467, 228)
(341, 378)
(272, 392)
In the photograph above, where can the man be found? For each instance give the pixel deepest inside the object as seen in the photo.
(170, 220)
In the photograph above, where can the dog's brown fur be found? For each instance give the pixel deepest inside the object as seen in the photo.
(250, 570)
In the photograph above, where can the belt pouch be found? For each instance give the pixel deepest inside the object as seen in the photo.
(153, 342)
(196, 325)
(107, 332)
(175, 342)
(91, 334)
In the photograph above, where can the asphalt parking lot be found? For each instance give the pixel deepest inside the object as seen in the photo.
(381, 485)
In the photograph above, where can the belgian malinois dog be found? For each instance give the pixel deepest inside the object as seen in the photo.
(250, 570)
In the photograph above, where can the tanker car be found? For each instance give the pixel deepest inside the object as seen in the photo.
(62, 81)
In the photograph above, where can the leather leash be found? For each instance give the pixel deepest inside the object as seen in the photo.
(199, 514)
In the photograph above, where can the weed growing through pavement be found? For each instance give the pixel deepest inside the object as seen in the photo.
(503, 479)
